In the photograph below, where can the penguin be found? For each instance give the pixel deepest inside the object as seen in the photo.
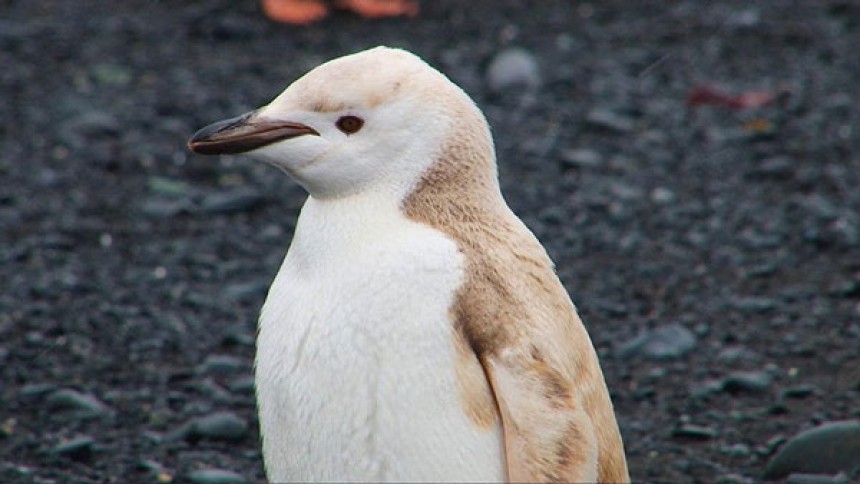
(416, 329)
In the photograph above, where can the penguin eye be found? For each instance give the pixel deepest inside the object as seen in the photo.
(349, 124)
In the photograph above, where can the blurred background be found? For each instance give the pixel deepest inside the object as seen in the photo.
(692, 167)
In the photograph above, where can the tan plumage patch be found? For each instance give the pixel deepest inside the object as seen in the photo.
(515, 316)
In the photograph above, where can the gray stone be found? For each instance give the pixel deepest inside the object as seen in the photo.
(800, 478)
(827, 449)
(231, 201)
(79, 448)
(243, 385)
(662, 342)
(754, 304)
(222, 364)
(68, 399)
(581, 158)
(77, 131)
(216, 476)
(163, 208)
(513, 68)
(694, 432)
(610, 120)
(799, 391)
(749, 381)
(220, 426)
(244, 291)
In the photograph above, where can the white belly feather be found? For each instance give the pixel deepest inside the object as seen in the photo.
(355, 358)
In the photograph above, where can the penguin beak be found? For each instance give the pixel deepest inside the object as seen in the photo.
(244, 133)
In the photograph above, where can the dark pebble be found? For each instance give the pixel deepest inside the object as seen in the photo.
(800, 478)
(245, 291)
(749, 381)
(773, 168)
(244, 385)
(694, 432)
(68, 399)
(79, 448)
(222, 364)
(215, 476)
(158, 207)
(610, 120)
(827, 449)
(232, 201)
(800, 391)
(662, 342)
(754, 304)
(513, 68)
(581, 158)
(219, 426)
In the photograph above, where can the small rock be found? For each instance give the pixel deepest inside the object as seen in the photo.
(731, 354)
(167, 186)
(165, 208)
(244, 291)
(79, 448)
(752, 381)
(68, 399)
(734, 479)
(799, 478)
(827, 449)
(76, 132)
(243, 385)
(695, 432)
(31, 390)
(773, 168)
(754, 304)
(232, 201)
(216, 476)
(222, 364)
(513, 68)
(219, 426)
(610, 120)
(159, 472)
(581, 158)
(663, 195)
(800, 391)
(662, 342)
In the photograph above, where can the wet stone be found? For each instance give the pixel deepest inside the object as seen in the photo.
(219, 426)
(244, 291)
(694, 432)
(222, 364)
(747, 381)
(799, 391)
(79, 448)
(216, 476)
(581, 158)
(68, 399)
(800, 478)
(610, 120)
(663, 342)
(513, 68)
(827, 449)
(232, 201)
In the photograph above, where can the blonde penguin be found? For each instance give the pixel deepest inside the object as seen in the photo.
(416, 330)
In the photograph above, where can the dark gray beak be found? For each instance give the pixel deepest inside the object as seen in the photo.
(244, 133)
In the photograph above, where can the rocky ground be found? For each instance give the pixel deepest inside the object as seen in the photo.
(710, 239)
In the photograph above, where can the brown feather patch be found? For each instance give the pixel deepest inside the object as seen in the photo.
(515, 316)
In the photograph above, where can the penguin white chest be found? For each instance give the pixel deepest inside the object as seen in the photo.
(355, 367)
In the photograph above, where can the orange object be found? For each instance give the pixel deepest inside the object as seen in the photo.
(295, 11)
(303, 12)
(380, 8)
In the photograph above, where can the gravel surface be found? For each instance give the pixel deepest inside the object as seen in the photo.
(710, 239)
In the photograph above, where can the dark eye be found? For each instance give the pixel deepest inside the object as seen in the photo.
(349, 124)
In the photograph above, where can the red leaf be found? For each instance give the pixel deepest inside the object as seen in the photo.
(709, 95)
